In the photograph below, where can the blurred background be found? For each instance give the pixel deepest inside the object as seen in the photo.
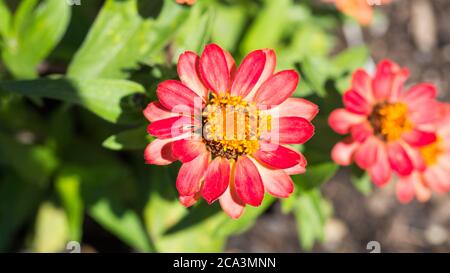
(71, 164)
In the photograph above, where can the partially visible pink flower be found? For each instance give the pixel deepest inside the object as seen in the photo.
(231, 128)
(361, 10)
(436, 176)
(387, 124)
(188, 2)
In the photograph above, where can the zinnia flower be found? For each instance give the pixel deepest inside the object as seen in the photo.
(387, 124)
(188, 2)
(233, 133)
(361, 10)
(436, 176)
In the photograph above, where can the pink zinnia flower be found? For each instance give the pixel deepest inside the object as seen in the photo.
(233, 132)
(387, 124)
(436, 176)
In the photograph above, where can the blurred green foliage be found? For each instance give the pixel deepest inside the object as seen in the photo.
(61, 164)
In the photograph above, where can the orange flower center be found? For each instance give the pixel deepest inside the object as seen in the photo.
(390, 120)
(233, 126)
(430, 153)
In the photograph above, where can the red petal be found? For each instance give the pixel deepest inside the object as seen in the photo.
(297, 169)
(276, 182)
(419, 138)
(341, 120)
(159, 152)
(155, 111)
(399, 159)
(437, 179)
(343, 151)
(231, 64)
(382, 82)
(230, 205)
(360, 132)
(276, 156)
(186, 150)
(356, 103)
(277, 88)
(398, 81)
(415, 156)
(214, 69)
(269, 69)
(217, 179)
(405, 188)
(188, 71)
(190, 200)
(172, 127)
(291, 130)
(362, 83)
(248, 183)
(381, 171)
(425, 114)
(190, 175)
(296, 107)
(419, 95)
(176, 97)
(366, 154)
(248, 73)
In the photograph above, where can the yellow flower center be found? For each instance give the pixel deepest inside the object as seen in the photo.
(390, 120)
(233, 126)
(430, 153)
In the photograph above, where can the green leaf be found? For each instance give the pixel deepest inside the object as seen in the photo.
(174, 228)
(361, 180)
(5, 19)
(110, 99)
(68, 188)
(133, 139)
(316, 71)
(232, 227)
(195, 32)
(163, 212)
(229, 21)
(268, 28)
(345, 63)
(107, 192)
(351, 59)
(310, 40)
(19, 200)
(51, 230)
(34, 164)
(43, 25)
(120, 38)
(126, 224)
(316, 175)
(311, 213)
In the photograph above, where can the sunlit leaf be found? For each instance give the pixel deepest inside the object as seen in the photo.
(311, 213)
(51, 230)
(42, 25)
(109, 99)
(69, 190)
(120, 38)
(267, 29)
